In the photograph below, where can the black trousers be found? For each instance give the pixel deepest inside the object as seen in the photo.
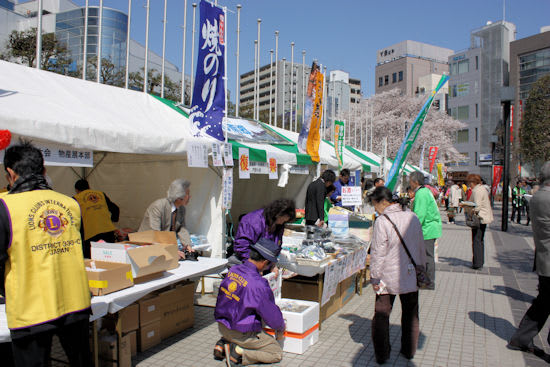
(430, 259)
(34, 350)
(516, 210)
(410, 325)
(535, 317)
(478, 246)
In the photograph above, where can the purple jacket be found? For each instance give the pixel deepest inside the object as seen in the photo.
(245, 300)
(251, 228)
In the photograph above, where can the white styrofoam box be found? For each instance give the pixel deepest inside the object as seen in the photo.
(299, 345)
(301, 322)
(115, 253)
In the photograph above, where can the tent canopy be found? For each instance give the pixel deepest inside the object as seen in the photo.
(44, 105)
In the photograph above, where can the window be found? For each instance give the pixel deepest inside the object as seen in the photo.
(463, 66)
(476, 134)
(477, 62)
(466, 160)
(475, 162)
(394, 78)
(460, 90)
(386, 79)
(463, 113)
(400, 76)
(477, 112)
(380, 82)
(462, 136)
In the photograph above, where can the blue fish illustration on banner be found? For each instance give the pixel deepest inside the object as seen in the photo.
(208, 103)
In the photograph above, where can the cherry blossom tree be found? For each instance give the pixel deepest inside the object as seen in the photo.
(392, 114)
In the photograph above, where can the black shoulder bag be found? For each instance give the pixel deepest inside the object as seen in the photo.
(423, 281)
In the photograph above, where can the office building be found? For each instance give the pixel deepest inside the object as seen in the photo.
(478, 76)
(403, 64)
(67, 20)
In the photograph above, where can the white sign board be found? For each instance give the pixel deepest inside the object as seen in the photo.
(228, 154)
(62, 155)
(351, 195)
(227, 187)
(272, 166)
(244, 163)
(217, 159)
(197, 154)
(259, 168)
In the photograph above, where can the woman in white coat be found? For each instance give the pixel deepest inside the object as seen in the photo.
(392, 272)
(455, 194)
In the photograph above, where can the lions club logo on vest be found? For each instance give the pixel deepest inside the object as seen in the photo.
(92, 197)
(232, 287)
(53, 222)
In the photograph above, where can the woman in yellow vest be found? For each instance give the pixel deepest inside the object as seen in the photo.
(45, 282)
(98, 215)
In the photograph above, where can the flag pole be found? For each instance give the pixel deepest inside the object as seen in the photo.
(276, 73)
(126, 72)
(146, 70)
(291, 84)
(258, 74)
(270, 85)
(193, 52)
(237, 80)
(255, 76)
(183, 56)
(163, 50)
(284, 82)
(39, 35)
(99, 43)
(303, 85)
(225, 69)
(325, 102)
(85, 53)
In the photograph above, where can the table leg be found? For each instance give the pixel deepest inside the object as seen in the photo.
(320, 284)
(95, 344)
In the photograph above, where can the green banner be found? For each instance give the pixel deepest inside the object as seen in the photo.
(409, 140)
(339, 142)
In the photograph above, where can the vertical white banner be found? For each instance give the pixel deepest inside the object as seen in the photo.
(217, 159)
(197, 154)
(228, 154)
(272, 166)
(227, 187)
(244, 163)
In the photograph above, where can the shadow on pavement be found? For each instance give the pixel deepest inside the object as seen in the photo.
(510, 292)
(497, 325)
(453, 261)
(360, 332)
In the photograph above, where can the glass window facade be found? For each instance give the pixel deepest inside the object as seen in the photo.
(463, 136)
(460, 90)
(532, 67)
(69, 29)
(460, 67)
(400, 76)
(460, 113)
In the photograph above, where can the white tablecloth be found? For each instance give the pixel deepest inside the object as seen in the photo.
(113, 302)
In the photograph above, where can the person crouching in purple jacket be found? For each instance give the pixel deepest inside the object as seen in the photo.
(268, 222)
(245, 301)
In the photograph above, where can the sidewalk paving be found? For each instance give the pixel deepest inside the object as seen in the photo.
(467, 321)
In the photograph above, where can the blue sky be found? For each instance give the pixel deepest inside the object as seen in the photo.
(341, 34)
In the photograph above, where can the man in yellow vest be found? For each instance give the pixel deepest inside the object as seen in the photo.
(98, 215)
(45, 282)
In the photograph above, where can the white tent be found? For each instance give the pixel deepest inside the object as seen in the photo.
(138, 143)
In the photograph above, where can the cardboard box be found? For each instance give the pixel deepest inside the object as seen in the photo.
(177, 312)
(149, 335)
(108, 277)
(168, 237)
(149, 309)
(144, 260)
(133, 342)
(110, 355)
(129, 318)
(347, 289)
(307, 288)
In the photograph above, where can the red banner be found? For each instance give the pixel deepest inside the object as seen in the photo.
(432, 153)
(497, 175)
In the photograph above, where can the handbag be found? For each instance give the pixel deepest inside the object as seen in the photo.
(473, 220)
(423, 280)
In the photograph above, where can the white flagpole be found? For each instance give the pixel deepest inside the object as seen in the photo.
(99, 43)
(291, 81)
(225, 69)
(163, 50)
(146, 67)
(255, 75)
(324, 102)
(270, 85)
(193, 52)
(183, 56)
(85, 53)
(284, 82)
(126, 73)
(303, 86)
(39, 35)
(258, 75)
(276, 73)
(237, 80)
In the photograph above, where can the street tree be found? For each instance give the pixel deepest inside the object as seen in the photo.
(21, 48)
(535, 125)
(392, 116)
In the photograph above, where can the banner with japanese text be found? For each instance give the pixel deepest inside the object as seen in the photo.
(432, 153)
(411, 136)
(208, 102)
(339, 127)
(310, 138)
(440, 179)
(497, 175)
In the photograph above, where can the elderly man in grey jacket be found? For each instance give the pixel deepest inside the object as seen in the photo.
(168, 214)
(538, 313)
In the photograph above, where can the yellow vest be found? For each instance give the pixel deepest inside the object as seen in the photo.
(96, 216)
(45, 277)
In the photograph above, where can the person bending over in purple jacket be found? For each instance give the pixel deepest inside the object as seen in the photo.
(267, 223)
(244, 303)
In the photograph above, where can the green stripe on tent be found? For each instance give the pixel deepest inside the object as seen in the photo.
(301, 158)
(171, 104)
(366, 167)
(362, 156)
(256, 155)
